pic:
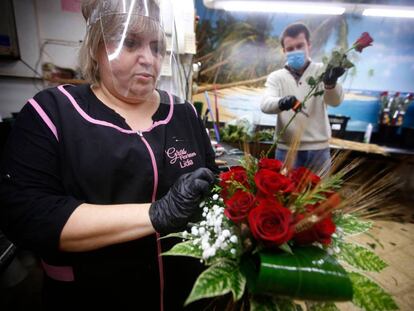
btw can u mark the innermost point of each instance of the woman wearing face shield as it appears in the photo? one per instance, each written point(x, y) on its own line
point(92, 175)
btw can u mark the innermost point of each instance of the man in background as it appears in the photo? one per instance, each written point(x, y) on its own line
point(287, 87)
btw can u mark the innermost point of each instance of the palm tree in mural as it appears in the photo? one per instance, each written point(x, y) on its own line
point(236, 50)
point(245, 52)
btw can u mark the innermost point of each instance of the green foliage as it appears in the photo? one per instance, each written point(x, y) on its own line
point(270, 303)
point(234, 133)
point(351, 225)
point(321, 306)
point(285, 247)
point(316, 195)
point(186, 248)
point(219, 279)
point(318, 93)
point(311, 81)
point(360, 257)
point(369, 296)
point(175, 235)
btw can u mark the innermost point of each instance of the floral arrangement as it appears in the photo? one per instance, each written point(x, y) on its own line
point(266, 226)
point(275, 237)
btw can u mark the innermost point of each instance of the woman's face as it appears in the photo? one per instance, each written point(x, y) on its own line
point(129, 67)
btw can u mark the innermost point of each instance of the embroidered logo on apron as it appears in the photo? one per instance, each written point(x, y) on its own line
point(180, 156)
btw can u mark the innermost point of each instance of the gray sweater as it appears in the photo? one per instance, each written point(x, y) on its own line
point(316, 128)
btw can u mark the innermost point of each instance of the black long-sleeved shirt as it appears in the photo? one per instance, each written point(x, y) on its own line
point(66, 148)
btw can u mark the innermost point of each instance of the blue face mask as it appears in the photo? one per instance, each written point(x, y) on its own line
point(296, 59)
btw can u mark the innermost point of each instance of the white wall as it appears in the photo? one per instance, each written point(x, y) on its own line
point(48, 34)
point(41, 25)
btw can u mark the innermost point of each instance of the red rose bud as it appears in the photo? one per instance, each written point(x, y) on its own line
point(364, 41)
point(385, 93)
point(321, 232)
point(271, 164)
point(236, 173)
point(239, 205)
point(302, 177)
point(269, 183)
point(270, 223)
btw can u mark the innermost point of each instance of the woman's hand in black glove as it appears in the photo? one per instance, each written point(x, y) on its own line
point(173, 211)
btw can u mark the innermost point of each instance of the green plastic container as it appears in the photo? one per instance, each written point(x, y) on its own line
point(309, 274)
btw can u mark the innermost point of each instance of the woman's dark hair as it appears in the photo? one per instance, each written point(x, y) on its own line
point(293, 30)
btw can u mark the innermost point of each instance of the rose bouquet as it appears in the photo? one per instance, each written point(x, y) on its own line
point(275, 238)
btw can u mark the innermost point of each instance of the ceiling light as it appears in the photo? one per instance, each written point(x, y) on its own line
point(389, 13)
point(280, 7)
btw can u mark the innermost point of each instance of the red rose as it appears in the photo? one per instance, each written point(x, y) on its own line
point(269, 183)
point(363, 41)
point(303, 177)
point(236, 173)
point(271, 164)
point(239, 205)
point(270, 223)
point(320, 232)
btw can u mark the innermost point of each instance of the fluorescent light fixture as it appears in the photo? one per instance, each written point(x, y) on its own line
point(281, 7)
point(389, 13)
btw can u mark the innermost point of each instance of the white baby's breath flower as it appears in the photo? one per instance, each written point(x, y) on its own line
point(215, 197)
point(201, 230)
point(209, 252)
point(185, 234)
point(194, 230)
point(233, 251)
point(226, 233)
point(233, 239)
point(202, 204)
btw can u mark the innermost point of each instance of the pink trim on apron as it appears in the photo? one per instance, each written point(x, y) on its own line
point(58, 273)
point(44, 117)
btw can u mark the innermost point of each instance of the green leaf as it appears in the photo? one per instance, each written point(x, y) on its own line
point(270, 303)
point(318, 93)
point(186, 248)
point(311, 81)
point(346, 63)
point(321, 306)
point(219, 279)
point(351, 225)
point(369, 295)
point(360, 257)
point(285, 247)
point(174, 235)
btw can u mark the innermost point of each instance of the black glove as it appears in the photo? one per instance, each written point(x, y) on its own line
point(287, 102)
point(332, 74)
point(173, 211)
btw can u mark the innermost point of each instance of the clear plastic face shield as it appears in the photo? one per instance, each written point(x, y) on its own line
point(135, 45)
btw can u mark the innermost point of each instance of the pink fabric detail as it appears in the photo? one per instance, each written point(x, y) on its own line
point(167, 119)
point(154, 193)
point(59, 273)
point(108, 124)
point(195, 111)
point(44, 117)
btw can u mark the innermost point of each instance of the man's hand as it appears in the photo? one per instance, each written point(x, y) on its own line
point(331, 76)
point(289, 102)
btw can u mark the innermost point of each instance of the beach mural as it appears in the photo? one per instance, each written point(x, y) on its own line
point(236, 51)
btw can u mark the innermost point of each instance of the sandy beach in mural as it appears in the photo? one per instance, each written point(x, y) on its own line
point(244, 102)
